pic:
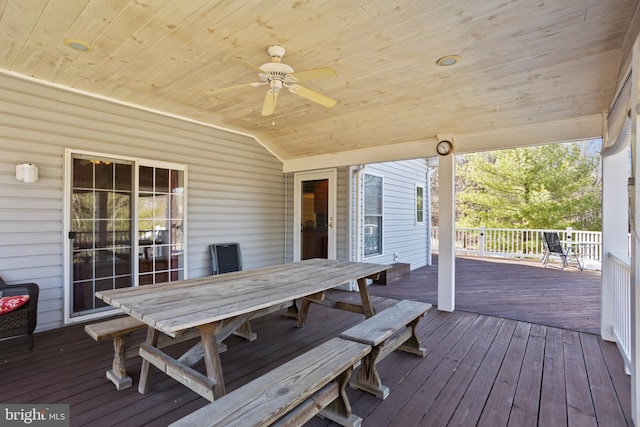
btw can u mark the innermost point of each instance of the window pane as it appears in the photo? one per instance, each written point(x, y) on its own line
point(82, 205)
point(372, 195)
point(104, 175)
point(419, 204)
point(372, 215)
point(82, 173)
point(162, 180)
point(177, 182)
point(123, 179)
point(372, 235)
point(146, 178)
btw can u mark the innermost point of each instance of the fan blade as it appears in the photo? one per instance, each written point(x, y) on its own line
point(312, 95)
point(269, 106)
point(246, 64)
point(315, 73)
point(224, 89)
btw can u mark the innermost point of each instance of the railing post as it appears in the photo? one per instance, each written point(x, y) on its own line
point(482, 241)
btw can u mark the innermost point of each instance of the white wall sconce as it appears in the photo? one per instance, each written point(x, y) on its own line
point(27, 173)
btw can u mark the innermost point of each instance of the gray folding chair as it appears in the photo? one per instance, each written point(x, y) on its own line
point(225, 258)
point(553, 247)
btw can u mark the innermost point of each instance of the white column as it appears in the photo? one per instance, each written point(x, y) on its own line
point(615, 220)
point(446, 227)
point(635, 232)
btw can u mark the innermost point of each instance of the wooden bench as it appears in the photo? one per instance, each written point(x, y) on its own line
point(391, 329)
point(119, 330)
point(292, 393)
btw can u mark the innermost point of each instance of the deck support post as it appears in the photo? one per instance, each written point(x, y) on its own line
point(446, 248)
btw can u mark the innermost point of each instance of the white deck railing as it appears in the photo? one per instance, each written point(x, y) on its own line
point(622, 321)
point(519, 243)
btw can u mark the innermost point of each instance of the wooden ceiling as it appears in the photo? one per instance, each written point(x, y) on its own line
point(522, 62)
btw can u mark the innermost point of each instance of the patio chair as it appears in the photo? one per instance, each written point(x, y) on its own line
point(225, 258)
point(553, 247)
point(18, 314)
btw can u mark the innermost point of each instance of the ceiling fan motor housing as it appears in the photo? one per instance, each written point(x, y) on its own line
point(277, 74)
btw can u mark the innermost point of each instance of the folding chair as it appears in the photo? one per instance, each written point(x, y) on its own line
point(226, 258)
point(553, 247)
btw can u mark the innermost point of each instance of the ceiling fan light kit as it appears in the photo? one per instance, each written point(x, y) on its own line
point(277, 75)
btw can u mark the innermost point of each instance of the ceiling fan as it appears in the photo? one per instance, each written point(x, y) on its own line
point(277, 75)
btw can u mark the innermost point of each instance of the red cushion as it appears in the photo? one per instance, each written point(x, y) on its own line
point(8, 304)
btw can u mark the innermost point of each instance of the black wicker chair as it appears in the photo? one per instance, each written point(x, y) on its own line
point(23, 320)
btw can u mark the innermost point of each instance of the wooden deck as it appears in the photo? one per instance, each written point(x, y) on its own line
point(480, 369)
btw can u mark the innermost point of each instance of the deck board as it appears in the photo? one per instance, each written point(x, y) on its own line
point(480, 368)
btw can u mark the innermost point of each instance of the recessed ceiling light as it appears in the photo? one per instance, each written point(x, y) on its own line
point(448, 60)
point(78, 45)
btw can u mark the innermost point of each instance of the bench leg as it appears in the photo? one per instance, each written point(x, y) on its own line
point(412, 345)
point(339, 411)
point(118, 373)
point(245, 331)
point(145, 373)
point(368, 378)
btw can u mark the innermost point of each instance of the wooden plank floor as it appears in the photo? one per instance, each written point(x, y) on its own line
point(479, 370)
point(519, 290)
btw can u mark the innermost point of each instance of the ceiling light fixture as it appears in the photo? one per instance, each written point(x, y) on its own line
point(448, 60)
point(78, 45)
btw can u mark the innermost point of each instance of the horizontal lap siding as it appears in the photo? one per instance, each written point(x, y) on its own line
point(401, 234)
point(235, 186)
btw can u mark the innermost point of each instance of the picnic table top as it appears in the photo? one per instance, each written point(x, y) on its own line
point(176, 306)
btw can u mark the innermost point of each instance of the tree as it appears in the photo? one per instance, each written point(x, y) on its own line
point(551, 186)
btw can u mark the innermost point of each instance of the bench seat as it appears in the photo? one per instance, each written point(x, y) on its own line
point(290, 394)
point(119, 329)
point(391, 329)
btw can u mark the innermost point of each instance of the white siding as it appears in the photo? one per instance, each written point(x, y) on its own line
point(236, 188)
point(401, 234)
point(342, 221)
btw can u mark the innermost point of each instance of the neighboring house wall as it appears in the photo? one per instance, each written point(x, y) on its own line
point(236, 189)
point(401, 234)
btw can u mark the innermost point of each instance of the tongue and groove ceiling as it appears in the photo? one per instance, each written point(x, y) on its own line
point(522, 62)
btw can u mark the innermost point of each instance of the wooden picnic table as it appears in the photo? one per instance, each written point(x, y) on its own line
point(219, 305)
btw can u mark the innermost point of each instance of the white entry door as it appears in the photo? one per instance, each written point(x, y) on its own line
point(315, 215)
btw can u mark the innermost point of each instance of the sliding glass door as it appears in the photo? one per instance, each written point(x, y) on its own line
point(126, 227)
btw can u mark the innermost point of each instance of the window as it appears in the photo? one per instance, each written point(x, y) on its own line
point(419, 204)
point(372, 215)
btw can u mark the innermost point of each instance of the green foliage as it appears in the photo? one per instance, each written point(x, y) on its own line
point(551, 186)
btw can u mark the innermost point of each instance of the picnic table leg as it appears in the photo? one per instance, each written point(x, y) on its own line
point(304, 307)
point(367, 307)
point(145, 373)
point(212, 357)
